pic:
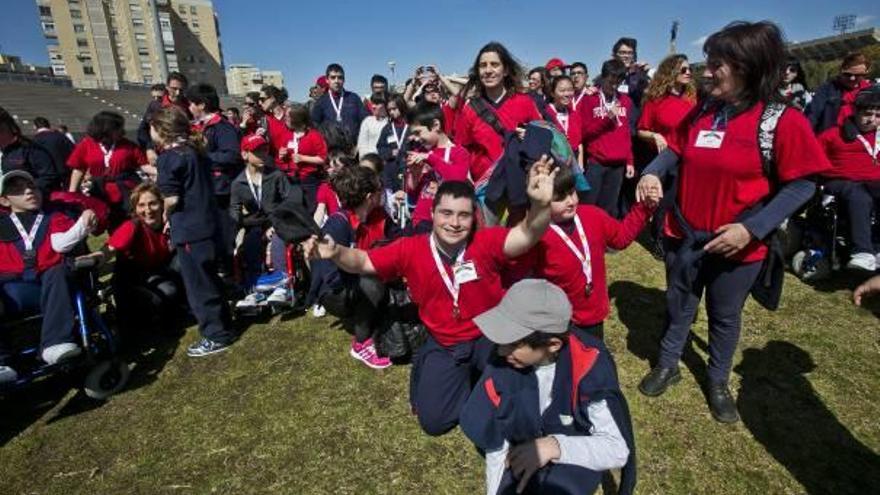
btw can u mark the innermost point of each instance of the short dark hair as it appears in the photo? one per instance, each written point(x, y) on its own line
point(755, 52)
point(425, 113)
point(253, 95)
point(204, 94)
point(104, 124)
point(563, 183)
point(555, 82)
point(375, 160)
point(278, 94)
point(41, 123)
point(353, 184)
point(579, 64)
point(298, 116)
point(537, 340)
point(234, 110)
point(158, 87)
point(334, 67)
point(613, 68)
point(378, 100)
point(630, 42)
point(378, 78)
point(456, 189)
point(8, 122)
point(853, 59)
point(177, 76)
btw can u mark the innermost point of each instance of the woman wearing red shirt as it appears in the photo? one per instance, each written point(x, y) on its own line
point(669, 97)
point(495, 81)
point(564, 117)
point(303, 156)
point(105, 163)
point(725, 202)
point(144, 285)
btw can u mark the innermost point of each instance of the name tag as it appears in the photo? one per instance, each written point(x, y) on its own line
point(566, 420)
point(465, 272)
point(709, 139)
point(392, 140)
point(623, 88)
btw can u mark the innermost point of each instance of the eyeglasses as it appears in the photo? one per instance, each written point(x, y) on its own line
point(263, 98)
point(685, 70)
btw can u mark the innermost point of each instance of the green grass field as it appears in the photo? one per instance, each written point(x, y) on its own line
point(288, 411)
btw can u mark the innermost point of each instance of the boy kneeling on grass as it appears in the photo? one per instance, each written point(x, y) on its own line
point(33, 276)
point(548, 411)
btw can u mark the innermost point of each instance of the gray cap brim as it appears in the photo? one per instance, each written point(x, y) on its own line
point(499, 328)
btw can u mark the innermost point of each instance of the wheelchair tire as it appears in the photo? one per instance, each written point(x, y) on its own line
point(105, 379)
point(821, 270)
point(792, 237)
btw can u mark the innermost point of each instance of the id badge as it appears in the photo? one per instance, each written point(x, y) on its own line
point(623, 88)
point(465, 272)
point(709, 139)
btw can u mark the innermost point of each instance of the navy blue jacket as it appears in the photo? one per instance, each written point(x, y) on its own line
point(187, 175)
point(508, 180)
point(57, 144)
point(29, 156)
point(504, 403)
point(392, 172)
point(353, 112)
point(224, 153)
point(825, 106)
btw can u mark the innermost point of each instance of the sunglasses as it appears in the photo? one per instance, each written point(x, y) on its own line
point(850, 75)
point(685, 70)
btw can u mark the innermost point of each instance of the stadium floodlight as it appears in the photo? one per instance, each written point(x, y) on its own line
point(844, 23)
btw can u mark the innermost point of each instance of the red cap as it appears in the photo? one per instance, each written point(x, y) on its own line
point(554, 63)
point(322, 82)
point(253, 142)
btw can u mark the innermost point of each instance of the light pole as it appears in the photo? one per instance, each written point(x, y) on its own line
point(391, 65)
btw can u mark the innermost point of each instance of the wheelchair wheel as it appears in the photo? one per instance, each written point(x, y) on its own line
point(106, 379)
point(791, 236)
point(808, 266)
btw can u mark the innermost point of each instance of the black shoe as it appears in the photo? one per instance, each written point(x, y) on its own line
point(658, 380)
point(721, 404)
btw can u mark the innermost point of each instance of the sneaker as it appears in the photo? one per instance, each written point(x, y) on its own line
point(60, 352)
point(205, 347)
point(862, 261)
point(251, 301)
point(281, 295)
point(7, 374)
point(319, 311)
point(270, 281)
point(366, 353)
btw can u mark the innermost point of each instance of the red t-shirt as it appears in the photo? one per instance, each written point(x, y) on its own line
point(327, 196)
point(664, 114)
point(569, 123)
point(411, 259)
point(484, 144)
point(606, 139)
point(147, 248)
point(553, 260)
point(849, 160)
point(88, 156)
point(848, 102)
point(11, 262)
point(437, 171)
point(716, 185)
point(310, 144)
point(448, 118)
point(278, 133)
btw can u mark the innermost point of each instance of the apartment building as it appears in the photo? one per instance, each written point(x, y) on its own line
point(243, 78)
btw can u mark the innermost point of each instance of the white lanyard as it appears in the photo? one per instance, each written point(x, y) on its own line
point(256, 189)
point(576, 101)
point(450, 283)
point(107, 154)
point(503, 94)
point(294, 143)
point(584, 258)
point(337, 108)
point(562, 118)
point(448, 153)
point(606, 107)
point(871, 151)
point(27, 237)
point(399, 138)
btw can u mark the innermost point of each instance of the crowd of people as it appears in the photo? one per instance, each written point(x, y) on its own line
point(494, 199)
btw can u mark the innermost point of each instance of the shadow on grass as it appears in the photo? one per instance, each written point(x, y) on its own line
point(24, 407)
point(779, 406)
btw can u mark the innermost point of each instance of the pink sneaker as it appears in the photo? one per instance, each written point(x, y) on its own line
point(366, 353)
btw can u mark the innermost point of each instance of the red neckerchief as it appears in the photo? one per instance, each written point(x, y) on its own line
point(200, 126)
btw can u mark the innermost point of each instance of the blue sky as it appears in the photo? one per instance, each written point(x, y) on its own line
point(300, 38)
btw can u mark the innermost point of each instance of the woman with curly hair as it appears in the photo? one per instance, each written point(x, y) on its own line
point(669, 97)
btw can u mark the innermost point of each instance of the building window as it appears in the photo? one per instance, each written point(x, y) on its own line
point(45, 11)
point(88, 70)
point(79, 28)
point(138, 23)
point(75, 14)
point(192, 10)
point(48, 26)
point(82, 43)
point(201, 60)
point(182, 9)
point(143, 51)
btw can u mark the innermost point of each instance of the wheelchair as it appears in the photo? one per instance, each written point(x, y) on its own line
point(297, 282)
point(817, 241)
point(106, 374)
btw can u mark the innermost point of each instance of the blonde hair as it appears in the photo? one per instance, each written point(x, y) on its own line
point(138, 191)
point(173, 125)
point(664, 79)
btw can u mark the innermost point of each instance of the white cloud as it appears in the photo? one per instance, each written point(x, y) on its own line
point(861, 20)
point(699, 41)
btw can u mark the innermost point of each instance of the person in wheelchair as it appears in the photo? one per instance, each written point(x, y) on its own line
point(853, 150)
point(145, 286)
point(34, 279)
point(361, 223)
point(255, 193)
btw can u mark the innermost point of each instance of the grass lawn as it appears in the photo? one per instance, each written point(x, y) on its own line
point(288, 411)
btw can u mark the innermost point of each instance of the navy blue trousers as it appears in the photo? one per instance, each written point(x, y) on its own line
point(51, 295)
point(441, 381)
point(204, 290)
point(254, 255)
point(861, 200)
point(554, 479)
point(727, 284)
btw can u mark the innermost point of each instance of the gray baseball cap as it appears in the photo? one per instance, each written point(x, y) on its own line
point(531, 305)
point(11, 175)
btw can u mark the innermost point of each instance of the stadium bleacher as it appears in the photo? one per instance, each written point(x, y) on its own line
point(74, 107)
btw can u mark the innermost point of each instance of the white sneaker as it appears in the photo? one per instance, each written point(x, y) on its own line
point(251, 301)
point(281, 295)
point(319, 311)
point(60, 352)
point(862, 261)
point(7, 374)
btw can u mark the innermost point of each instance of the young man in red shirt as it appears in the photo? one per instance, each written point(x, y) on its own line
point(453, 275)
point(854, 178)
point(33, 276)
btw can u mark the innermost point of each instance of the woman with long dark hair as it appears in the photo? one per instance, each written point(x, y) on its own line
point(564, 117)
point(303, 157)
point(729, 200)
point(794, 84)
